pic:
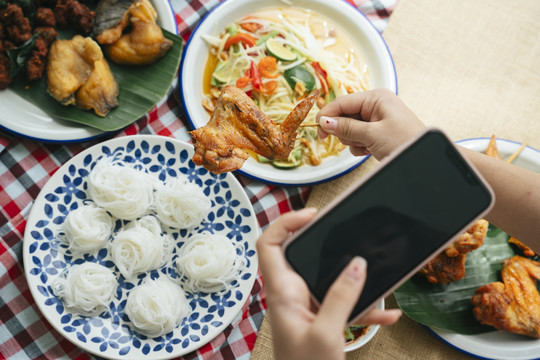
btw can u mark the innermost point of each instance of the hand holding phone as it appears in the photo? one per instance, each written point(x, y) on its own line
point(397, 218)
point(298, 332)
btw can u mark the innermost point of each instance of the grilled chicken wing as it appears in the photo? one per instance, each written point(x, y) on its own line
point(449, 265)
point(238, 124)
point(514, 304)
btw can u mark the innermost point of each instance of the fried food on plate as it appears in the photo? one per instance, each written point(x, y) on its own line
point(449, 265)
point(144, 44)
point(514, 304)
point(78, 74)
point(492, 149)
point(238, 124)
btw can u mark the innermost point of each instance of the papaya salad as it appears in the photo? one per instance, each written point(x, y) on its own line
point(278, 57)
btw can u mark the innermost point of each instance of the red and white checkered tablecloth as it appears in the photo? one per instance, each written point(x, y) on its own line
point(26, 165)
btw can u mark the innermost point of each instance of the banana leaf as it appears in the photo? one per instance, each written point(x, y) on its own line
point(448, 307)
point(141, 87)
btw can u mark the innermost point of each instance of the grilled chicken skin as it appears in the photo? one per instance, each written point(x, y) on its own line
point(237, 125)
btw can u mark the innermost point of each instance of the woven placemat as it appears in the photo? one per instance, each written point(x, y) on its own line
point(470, 68)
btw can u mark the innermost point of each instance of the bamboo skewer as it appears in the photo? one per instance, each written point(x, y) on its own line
point(515, 155)
point(309, 124)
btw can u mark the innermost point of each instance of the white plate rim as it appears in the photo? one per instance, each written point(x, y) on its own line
point(56, 130)
point(339, 165)
point(36, 214)
point(494, 345)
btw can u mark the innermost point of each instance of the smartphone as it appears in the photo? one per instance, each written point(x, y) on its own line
point(398, 217)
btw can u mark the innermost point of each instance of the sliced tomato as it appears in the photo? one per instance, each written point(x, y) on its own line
point(243, 38)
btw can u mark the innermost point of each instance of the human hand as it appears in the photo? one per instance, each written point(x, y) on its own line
point(372, 122)
point(297, 330)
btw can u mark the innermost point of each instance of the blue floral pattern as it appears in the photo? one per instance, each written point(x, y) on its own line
point(110, 334)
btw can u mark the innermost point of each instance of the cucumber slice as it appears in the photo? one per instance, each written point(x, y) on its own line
point(300, 74)
point(279, 51)
point(293, 161)
point(284, 164)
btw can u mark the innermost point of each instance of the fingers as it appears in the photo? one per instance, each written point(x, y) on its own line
point(382, 317)
point(269, 248)
point(349, 130)
point(342, 296)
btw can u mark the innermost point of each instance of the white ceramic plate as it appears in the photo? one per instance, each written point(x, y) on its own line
point(363, 340)
point(110, 335)
point(498, 345)
point(25, 119)
point(360, 31)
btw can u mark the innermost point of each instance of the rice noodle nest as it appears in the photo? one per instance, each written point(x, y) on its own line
point(87, 229)
point(124, 191)
point(87, 289)
point(156, 307)
point(181, 204)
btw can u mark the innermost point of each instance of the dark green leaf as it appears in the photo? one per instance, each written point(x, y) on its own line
point(448, 307)
point(17, 56)
point(141, 87)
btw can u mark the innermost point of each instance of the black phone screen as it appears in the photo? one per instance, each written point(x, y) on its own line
point(395, 220)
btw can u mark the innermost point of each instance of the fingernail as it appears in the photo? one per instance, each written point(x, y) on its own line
point(328, 123)
point(356, 269)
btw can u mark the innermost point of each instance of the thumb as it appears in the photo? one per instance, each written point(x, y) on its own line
point(346, 129)
point(342, 296)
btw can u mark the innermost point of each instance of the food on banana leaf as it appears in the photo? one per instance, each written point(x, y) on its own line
point(449, 265)
point(78, 74)
point(143, 44)
point(513, 304)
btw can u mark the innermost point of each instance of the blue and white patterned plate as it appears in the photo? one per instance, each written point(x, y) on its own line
point(110, 335)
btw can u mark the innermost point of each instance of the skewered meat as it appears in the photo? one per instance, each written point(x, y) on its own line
point(514, 304)
point(238, 124)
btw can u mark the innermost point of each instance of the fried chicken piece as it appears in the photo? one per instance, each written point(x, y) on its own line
point(444, 269)
point(143, 45)
point(72, 12)
point(449, 265)
point(17, 25)
point(514, 304)
point(78, 74)
point(238, 124)
point(470, 240)
point(45, 17)
point(37, 60)
point(527, 251)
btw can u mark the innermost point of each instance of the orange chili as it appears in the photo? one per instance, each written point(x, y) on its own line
point(243, 38)
point(268, 67)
